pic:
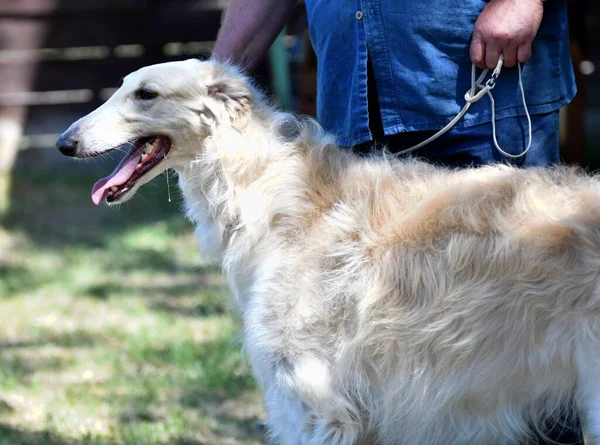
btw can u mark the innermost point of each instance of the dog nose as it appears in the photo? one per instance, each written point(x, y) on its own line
point(67, 144)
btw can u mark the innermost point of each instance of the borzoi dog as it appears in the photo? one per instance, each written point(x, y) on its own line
point(384, 301)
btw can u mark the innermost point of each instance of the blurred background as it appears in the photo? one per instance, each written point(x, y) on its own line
point(113, 330)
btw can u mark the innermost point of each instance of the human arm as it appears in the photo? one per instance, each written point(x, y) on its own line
point(248, 30)
point(506, 27)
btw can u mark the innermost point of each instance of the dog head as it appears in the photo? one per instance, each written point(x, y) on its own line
point(160, 117)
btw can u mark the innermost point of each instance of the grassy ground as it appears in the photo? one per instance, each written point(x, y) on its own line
point(112, 329)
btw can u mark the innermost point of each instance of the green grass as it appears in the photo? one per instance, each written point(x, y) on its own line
point(114, 330)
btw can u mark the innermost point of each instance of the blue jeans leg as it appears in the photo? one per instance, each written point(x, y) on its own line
point(474, 145)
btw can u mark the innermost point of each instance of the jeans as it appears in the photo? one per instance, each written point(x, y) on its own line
point(462, 147)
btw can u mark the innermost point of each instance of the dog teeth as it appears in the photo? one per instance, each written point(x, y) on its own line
point(114, 188)
point(150, 146)
point(144, 156)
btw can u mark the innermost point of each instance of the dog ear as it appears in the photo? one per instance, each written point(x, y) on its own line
point(235, 96)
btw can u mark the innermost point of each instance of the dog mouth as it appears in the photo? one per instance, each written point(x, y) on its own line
point(144, 154)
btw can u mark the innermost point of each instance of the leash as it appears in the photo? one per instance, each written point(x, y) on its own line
point(477, 91)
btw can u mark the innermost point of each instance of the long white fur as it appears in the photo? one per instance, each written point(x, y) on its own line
point(383, 301)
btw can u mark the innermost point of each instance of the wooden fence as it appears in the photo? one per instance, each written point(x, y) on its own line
point(61, 58)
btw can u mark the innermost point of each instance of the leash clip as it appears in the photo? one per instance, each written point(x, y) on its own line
point(476, 92)
point(491, 83)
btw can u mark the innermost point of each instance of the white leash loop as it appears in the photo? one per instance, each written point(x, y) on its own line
point(477, 91)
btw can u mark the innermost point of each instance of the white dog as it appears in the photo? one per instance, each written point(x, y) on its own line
point(383, 301)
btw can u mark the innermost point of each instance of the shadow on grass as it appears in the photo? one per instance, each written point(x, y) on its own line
point(19, 369)
point(216, 306)
point(250, 428)
point(16, 436)
point(228, 425)
point(194, 299)
point(146, 260)
point(20, 359)
point(68, 339)
point(215, 366)
point(54, 208)
point(14, 277)
point(186, 441)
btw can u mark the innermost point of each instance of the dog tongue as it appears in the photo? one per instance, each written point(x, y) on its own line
point(119, 176)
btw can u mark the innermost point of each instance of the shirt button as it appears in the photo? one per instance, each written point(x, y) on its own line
point(359, 15)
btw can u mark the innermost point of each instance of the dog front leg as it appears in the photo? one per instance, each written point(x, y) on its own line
point(291, 422)
point(589, 399)
point(288, 420)
point(304, 408)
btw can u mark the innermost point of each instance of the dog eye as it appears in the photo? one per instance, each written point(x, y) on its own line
point(144, 94)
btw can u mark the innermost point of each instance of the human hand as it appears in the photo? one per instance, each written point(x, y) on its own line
point(506, 27)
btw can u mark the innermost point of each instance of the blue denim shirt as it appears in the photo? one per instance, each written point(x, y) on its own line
point(419, 50)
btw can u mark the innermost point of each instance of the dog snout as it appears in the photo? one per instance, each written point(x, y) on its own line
point(68, 143)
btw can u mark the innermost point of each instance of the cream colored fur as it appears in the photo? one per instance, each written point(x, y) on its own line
point(383, 301)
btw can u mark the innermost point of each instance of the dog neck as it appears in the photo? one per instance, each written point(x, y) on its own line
point(248, 184)
point(225, 189)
